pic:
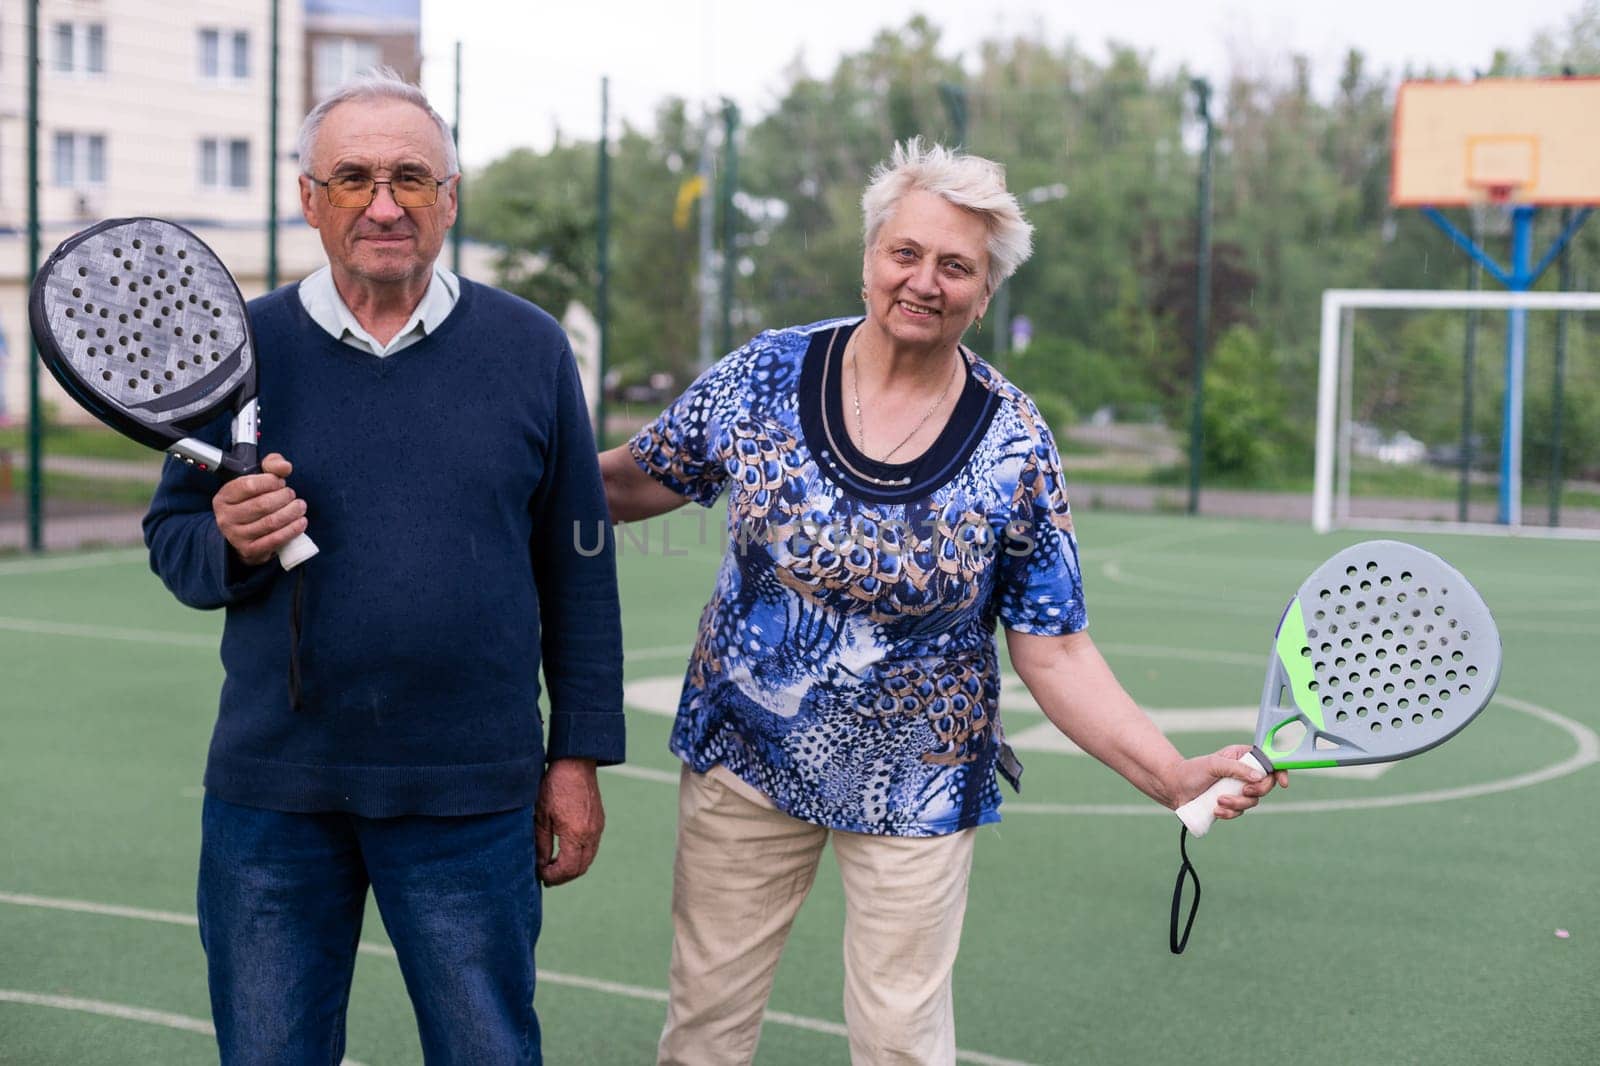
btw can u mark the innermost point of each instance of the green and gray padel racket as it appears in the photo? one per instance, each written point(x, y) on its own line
point(1386, 651)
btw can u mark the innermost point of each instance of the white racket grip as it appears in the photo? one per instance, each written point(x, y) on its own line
point(296, 552)
point(1200, 812)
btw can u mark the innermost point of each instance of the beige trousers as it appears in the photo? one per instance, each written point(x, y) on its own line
point(741, 873)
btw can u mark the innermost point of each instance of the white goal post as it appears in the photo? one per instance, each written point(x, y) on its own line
point(1334, 361)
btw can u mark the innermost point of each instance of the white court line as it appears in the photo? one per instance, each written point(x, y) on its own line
point(110, 1010)
point(110, 910)
point(1582, 605)
point(1125, 600)
point(660, 696)
point(167, 637)
point(592, 984)
point(1588, 753)
point(1114, 572)
point(1163, 540)
point(1561, 628)
point(675, 651)
point(1117, 601)
point(642, 773)
point(1238, 721)
point(658, 995)
point(654, 695)
point(118, 1010)
point(1193, 655)
point(53, 564)
point(175, 638)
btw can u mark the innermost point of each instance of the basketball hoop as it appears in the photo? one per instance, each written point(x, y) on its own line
point(1496, 143)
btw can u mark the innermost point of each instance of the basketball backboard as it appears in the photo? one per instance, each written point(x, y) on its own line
point(1496, 140)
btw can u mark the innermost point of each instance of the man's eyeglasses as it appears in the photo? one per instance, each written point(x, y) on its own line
point(358, 190)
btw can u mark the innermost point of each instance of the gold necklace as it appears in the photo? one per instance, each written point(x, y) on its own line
point(855, 396)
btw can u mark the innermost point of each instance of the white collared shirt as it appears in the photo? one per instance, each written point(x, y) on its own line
point(321, 299)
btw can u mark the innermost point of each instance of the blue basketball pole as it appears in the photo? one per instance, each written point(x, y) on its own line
point(1520, 278)
point(1510, 510)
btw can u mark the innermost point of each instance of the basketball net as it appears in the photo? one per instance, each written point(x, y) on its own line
point(1491, 212)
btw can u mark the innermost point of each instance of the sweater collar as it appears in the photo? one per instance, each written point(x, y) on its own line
point(321, 300)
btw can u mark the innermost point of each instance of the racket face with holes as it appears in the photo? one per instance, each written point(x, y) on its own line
point(144, 327)
point(1386, 651)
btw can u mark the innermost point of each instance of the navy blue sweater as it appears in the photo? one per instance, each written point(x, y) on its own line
point(442, 485)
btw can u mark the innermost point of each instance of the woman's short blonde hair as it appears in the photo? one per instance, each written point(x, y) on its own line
point(970, 182)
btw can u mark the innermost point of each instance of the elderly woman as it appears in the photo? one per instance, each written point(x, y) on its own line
point(890, 498)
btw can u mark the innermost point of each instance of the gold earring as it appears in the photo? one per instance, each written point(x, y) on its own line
point(980, 323)
point(863, 294)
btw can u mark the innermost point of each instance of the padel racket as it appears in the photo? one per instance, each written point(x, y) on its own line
point(1386, 651)
point(145, 328)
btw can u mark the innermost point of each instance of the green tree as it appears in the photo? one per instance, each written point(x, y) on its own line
point(813, 155)
point(1301, 206)
point(1248, 429)
point(654, 261)
point(1573, 47)
point(540, 210)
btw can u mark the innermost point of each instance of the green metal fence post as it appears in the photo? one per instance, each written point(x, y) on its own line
point(603, 269)
point(1202, 301)
point(272, 149)
point(1558, 383)
point(35, 408)
point(730, 226)
point(459, 228)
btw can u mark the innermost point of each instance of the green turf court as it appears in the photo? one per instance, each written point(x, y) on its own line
point(1406, 916)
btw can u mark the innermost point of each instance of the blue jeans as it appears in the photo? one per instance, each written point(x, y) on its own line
point(281, 899)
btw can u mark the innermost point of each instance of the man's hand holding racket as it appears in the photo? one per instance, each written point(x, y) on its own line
point(260, 513)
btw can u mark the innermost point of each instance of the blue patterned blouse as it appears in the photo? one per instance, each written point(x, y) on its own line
point(846, 665)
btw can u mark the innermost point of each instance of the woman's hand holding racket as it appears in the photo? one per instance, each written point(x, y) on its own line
point(1242, 784)
point(259, 514)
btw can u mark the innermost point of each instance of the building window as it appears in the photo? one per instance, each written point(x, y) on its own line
point(239, 164)
point(335, 60)
point(66, 37)
point(210, 54)
point(79, 160)
point(95, 48)
point(80, 47)
point(224, 163)
point(224, 54)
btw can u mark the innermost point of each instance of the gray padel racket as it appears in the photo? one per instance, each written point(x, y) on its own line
point(144, 328)
point(1386, 651)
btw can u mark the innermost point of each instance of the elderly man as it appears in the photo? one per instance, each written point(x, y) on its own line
point(379, 722)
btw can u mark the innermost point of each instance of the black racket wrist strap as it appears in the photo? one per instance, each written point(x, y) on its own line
point(296, 680)
point(1176, 942)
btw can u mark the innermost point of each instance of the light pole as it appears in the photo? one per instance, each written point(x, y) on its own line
point(1039, 194)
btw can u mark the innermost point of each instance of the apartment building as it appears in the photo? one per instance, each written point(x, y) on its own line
point(343, 37)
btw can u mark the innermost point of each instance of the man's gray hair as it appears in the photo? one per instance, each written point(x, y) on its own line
point(970, 182)
point(379, 83)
